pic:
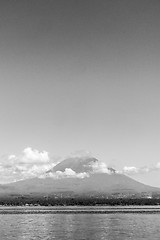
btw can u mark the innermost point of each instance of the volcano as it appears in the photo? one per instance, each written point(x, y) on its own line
point(77, 164)
point(79, 176)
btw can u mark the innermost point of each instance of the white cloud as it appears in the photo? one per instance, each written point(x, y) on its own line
point(158, 165)
point(68, 173)
point(130, 170)
point(12, 157)
point(134, 170)
point(34, 156)
point(100, 167)
point(31, 163)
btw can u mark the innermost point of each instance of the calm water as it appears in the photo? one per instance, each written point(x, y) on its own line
point(112, 226)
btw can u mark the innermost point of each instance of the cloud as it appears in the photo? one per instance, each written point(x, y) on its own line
point(130, 170)
point(31, 163)
point(158, 165)
point(68, 173)
point(34, 156)
point(12, 157)
point(145, 169)
point(100, 167)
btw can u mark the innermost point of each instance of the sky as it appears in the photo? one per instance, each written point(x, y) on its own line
point(80, 75)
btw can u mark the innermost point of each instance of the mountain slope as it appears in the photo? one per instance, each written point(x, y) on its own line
point(95, 182)
point(99, 183)
point(77, 164)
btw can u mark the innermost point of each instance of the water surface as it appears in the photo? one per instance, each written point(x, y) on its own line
point(78, 226)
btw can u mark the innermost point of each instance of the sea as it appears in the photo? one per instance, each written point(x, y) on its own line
point(93, 223)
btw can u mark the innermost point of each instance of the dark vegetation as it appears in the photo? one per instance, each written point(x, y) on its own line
point(22, 200)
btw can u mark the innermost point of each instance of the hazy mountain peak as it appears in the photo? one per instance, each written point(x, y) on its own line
point(81, 165)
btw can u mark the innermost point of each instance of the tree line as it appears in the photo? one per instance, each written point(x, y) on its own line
point(78, 201)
